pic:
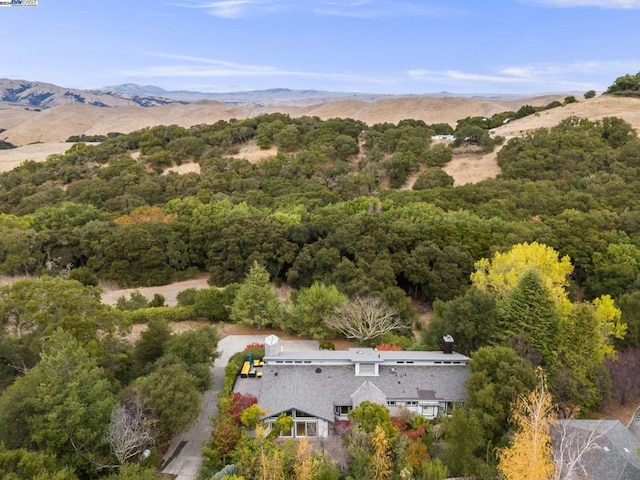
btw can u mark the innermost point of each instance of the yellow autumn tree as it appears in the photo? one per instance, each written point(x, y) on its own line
point(504, 271)
point(609, 319)
point(381, 460)
point(306, 465)
point(530, 456)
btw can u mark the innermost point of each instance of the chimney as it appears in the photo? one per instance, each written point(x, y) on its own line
point(448, 344)
point(271, 346)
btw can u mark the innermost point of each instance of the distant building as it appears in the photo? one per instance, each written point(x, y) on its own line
point(450, 138)
point(318, 388)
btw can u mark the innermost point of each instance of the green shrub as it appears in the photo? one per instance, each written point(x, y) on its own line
point(186, 297)
point(85, 276)
point(231, 372)
point(404, 342)
point(136, 301)
point(327, 345)
point(170, 314)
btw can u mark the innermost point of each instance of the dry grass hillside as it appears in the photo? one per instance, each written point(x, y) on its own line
point(58, 123)
point(9, 159)
point(42, 133)
point(594, 109)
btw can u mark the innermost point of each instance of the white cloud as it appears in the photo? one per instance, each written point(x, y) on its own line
point(353, 8)
point(609, 4)
point(536, 77)
point(533, 78)
point(556, 70)
point(227, 8)
point(198, 67)
point(380, 9)
point(459, 77)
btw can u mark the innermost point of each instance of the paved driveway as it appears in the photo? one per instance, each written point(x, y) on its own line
point(184, 456)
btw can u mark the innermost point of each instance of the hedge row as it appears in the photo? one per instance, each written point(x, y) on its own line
point(170, 314)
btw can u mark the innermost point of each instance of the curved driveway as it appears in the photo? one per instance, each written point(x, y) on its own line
point(184, 456)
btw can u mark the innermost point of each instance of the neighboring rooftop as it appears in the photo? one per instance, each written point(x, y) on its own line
point(613, 455)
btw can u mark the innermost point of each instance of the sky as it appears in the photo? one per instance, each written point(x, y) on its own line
point(369, 46)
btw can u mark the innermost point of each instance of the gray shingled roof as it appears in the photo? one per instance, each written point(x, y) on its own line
point(615, 456)
point(368, 355)
point(315, 389)
point(368, 392)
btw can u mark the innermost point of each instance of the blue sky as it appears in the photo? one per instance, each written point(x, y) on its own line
point(382, 46)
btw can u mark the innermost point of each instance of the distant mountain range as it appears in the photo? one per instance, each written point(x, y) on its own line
point(41, 95)
point(253, 98)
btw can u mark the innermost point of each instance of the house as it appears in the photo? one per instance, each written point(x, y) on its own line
point(449, 138)
point(596, 449)
point(318, 388)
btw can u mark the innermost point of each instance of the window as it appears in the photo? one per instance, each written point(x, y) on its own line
point(288, 433)
point(366, 369)
point(391, 403)
point(306, 429)
point(429, 411)
point(342, 410)
point(312, 429)
point(301, 414)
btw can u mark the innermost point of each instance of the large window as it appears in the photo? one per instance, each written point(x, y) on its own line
point(306, 429)
point(288, 433)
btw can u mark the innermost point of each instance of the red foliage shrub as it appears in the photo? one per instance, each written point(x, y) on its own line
point(239, 403)
point(400, 423)
point(404, 427)
point(385, 347)
point(251, 346)
point(416, 434)
point(342, 428)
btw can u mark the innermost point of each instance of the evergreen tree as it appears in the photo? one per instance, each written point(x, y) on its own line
point(529, 310)
point(63, 405)
point(312, 306)
point(578, 378)
point(256, 304)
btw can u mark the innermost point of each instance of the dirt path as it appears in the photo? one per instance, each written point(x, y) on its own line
point(111, 294)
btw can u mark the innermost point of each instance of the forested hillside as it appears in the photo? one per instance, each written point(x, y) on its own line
point(536, 268)
point(327, 207)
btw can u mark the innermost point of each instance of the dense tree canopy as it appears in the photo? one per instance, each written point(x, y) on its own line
point(62, 405)
point(520, 269)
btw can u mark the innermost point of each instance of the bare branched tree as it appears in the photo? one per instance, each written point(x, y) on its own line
point(571, 446)
point(130, 430)
point(364, 318)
